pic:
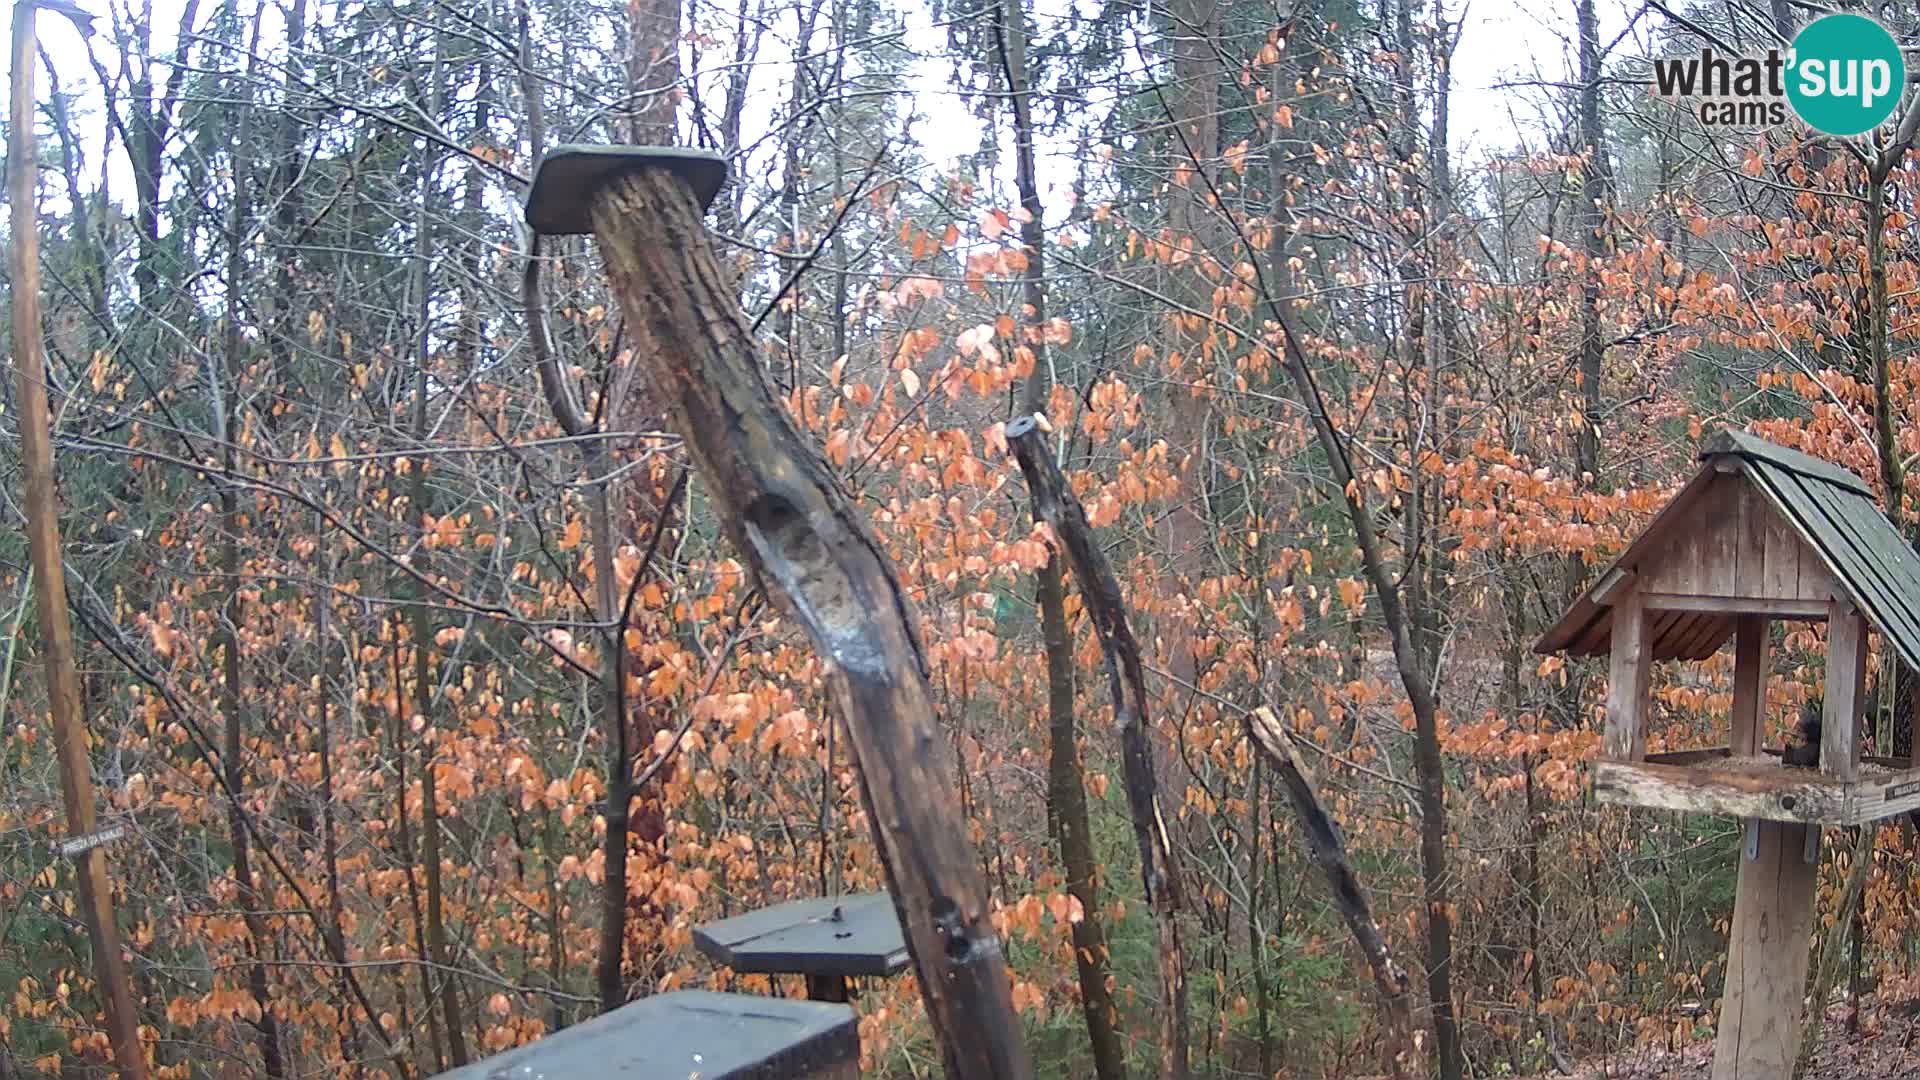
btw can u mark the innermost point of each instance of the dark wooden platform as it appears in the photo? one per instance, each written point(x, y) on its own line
point(691, 1034)
point(1713, 781)
point(828, 940)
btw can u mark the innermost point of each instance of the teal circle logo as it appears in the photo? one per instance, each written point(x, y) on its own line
point(1846, 74)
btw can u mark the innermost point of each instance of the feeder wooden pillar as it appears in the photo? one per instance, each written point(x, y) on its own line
point(1760, 1011)
point(1762, 533)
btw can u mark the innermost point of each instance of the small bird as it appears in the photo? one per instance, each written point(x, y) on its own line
point(1803, 746)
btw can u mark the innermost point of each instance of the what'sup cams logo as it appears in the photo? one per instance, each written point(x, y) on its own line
point(1843, 76)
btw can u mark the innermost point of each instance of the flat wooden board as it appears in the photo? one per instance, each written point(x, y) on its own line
point(845, 935)
point(1712, 782)
point(692, 1033)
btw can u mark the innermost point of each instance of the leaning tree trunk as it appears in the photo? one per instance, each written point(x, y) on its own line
point(1329, 848)
point(1055, 503)
point(814, 555)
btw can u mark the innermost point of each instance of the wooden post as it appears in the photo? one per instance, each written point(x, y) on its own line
point(1749, 684)
point(1761, 1010)
point(1630, 665)
point(812, 553)
point(49, 575)
point(826, 988)
point(1846, 681)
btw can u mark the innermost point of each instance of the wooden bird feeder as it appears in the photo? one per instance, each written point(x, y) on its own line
point(691, 1033)
point(1760, 533)
point(829, 940)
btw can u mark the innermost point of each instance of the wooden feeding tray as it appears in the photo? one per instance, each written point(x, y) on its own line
point(691, 1033)
point(828, 940)
point(1716, 782)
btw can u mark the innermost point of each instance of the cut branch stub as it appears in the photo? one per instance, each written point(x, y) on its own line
point(1329, 848)
point(1055, 504)
point(785, 512)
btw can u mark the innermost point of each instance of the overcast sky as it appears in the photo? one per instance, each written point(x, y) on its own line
point(1504, 42)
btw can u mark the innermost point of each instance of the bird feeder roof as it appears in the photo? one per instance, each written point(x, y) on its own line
point(686, 1034)
point(833, 935)
point(1753, 509)
point(560, 198)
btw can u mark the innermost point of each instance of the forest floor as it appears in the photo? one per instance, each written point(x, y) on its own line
point(1886, 1046)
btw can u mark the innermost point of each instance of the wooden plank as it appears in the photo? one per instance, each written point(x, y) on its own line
point(1611, 585)
point(1629, 665)
point(1775, 794)
point(1750, 662)
point(1750, 542)
point(1780, 573)
point(1846, 679)
point(1893, 796)
point(1680, 565)
point(1767, 945)
point(1719, 572)
point(1706, 755)
point(1743, 604)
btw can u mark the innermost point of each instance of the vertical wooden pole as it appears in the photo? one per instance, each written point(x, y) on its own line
point(49, 578)
point(1630, 665)
point(1846, 680)
point(1772, 928)
point(1749, 684)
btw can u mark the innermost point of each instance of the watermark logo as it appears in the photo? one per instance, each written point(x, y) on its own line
point(1842, 76)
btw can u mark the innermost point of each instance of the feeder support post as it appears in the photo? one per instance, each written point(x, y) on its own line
point(812, 553)
point(1761, 1010)
point(1629, 666)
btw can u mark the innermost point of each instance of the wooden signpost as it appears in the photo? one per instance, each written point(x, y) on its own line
point(812, 553)
point(41, 505)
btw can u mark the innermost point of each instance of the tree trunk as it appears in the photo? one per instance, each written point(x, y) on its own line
point(812, 554)
point(41, 508)
point(1329, 848)
point(226, 384)
point(1055, 503)
point(1066, 788)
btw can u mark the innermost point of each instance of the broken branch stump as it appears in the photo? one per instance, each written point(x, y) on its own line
point(1330, 852)
point(1055, 504)
point(811, 552)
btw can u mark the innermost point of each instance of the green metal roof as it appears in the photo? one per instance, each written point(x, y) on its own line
point(1833, 511)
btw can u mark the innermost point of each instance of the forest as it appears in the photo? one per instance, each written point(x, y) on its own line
point(427, 699)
